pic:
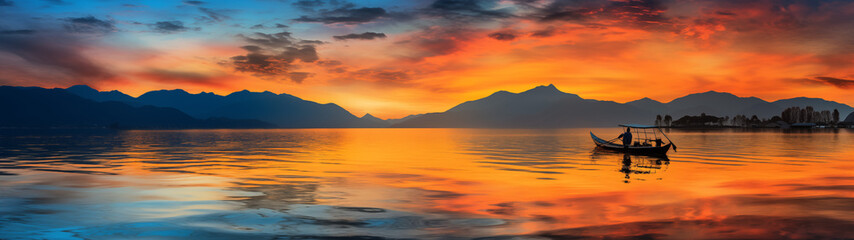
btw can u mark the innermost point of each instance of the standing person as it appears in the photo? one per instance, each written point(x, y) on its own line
point(627, 137)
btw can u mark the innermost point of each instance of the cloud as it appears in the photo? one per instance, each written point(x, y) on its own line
point(361, 36)
point(635, 12)
point(6, 3)
point(468, 9)
point(194, 3)
point(837, 82)
point(262, 26)
point(182, 77)
point(298, 77)
point(382, 76)
point(546, 32)
point(212, 15)
point(56, 2)
point(503, 36)
point(170, 27)
point(276, 40)
point(43, 52)
point(89, 24)
point(275, 56)
point(436, 41)
point(566, 15)
point(20, 31)
point(308, 5)
point(345, 15)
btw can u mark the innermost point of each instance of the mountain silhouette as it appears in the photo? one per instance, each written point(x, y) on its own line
point(548, 107)
point(849, 119)
point(400, 120)
point(196, 105)
point(32, 107)
point(727, 104)
point(371, 121)
point(540, 107)
point(817, 103)
point(284, 110)
point(95, 95)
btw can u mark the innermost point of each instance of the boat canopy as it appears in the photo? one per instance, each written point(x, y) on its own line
point(637, 126)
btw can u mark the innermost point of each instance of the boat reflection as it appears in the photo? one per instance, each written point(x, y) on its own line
point(637, 165)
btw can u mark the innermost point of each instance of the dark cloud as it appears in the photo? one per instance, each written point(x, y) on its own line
point(252, 48)
point(566, 15)
point(837, 82)
point(298, 77)
point(43, 52)
point(20, 31)
point(212, 15)
point(641, 12)
point(329, 63)
point(360, 36)
point(56, 2)
point(345, 15)
point(312, 42)
point(725, 13)
point(547, 32)
point(306, 53)
point(436, 41)
point(276, 40)
point(172, 77)
point(382, 76)
point(638, 11)
point(469, 9)
point(170, 27)
point(262, 26)
point(89, 24)
point(6, 3)
point(503, 36)
point(194, 3)
point(275, 56)
point(308, 5)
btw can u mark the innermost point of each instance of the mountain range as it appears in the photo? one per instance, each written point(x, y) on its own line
point(32, 107)
point(283, 110)
point(548, 107)
point(540, 107)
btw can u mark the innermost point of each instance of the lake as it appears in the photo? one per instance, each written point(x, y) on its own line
point(422, 184)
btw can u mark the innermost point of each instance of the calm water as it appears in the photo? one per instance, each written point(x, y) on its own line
point(422, 184)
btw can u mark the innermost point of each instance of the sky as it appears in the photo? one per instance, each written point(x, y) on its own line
point(395, 58)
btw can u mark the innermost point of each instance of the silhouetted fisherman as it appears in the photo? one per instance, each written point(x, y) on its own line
point(627, 137)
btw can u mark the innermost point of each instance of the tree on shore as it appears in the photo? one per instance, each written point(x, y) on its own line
point(658, 120)
point(667, 120)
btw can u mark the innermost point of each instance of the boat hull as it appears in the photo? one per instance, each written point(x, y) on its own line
point(639, 150)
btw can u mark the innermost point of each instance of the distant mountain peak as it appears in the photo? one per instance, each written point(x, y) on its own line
point(644, 100)
point(369, 116)
point(170, 91)
point(82, 88)
point(544, 89)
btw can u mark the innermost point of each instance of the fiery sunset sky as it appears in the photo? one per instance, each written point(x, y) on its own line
point(394, 58)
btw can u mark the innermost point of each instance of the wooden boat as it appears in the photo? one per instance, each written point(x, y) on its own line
point(643, 143)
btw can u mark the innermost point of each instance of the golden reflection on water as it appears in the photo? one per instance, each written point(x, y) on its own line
point(429, 183)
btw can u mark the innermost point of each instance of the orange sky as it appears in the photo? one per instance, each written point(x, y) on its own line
point(436, 54)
